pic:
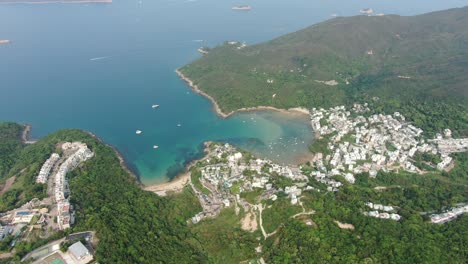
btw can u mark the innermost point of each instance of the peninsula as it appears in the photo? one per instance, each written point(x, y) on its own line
point(346, 60)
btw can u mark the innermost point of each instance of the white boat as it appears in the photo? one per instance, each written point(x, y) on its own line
point(179, 125)
point(244, 8)
point(155, 146)
point(366, 11)
point(155, 106)
point(138, 132)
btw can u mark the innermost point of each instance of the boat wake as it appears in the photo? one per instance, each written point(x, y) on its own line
point(99, 58)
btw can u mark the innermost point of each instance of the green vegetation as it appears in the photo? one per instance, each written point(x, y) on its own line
point(224, 238)
point(410, 240)
point(390, 146)
point(426, 161)
point(135, 226)
point(251, 196)
point(418, 66)
point(21, 161)
point(320, 145)
point(279, 213)
point(235, 188)
point(348, 138)
point(195, 175)
point(432, 115)
point(10, 146)
point(281, 182)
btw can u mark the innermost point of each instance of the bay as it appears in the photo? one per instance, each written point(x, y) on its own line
point(100, 67)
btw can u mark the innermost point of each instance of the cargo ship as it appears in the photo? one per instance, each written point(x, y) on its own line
point(244, 7)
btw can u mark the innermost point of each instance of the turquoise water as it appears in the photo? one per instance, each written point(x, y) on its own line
point(48, 77)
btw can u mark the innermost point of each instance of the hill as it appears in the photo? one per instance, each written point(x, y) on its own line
point(135, 226)
point(403, 61)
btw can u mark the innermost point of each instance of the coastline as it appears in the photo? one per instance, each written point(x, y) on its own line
point(25, 133)
point(219, 112)
point(178, 183)
point(119, 156)
point(175, 185)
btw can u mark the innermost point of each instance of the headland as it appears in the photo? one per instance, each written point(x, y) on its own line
point(294, 110)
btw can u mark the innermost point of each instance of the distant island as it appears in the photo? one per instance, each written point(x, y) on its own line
point(52, 1)
point(416, 64)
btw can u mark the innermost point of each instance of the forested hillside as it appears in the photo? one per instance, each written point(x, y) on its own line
point(135, 226)
point(401, 61)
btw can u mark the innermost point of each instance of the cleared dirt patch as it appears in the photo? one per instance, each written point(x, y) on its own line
point(249, 222)
point(8, 183)
point(344, 225)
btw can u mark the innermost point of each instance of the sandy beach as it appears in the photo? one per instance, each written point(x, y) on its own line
point(179, 182)
point(175, 185)
point(295, 110)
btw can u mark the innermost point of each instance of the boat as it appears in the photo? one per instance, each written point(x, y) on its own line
point(244, 7)
point(138, 132)
point(155, 106)
point(155, 146)
point(366, 11)
point(179, 125)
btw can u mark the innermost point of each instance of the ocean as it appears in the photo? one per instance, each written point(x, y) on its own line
point(100, 67)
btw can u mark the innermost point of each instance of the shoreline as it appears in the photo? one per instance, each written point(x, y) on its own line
point(25, 133)
point(122, 161)
point(26, 140)
point(175, 185)
point(219, 112)
point(178, 183)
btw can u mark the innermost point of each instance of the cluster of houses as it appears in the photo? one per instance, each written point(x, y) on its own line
point(447, 145)
point(225, 167)
point(47, 168)
point(382, 211)
point(80, 153)
point(37, 214)
point(449, 215)
point(359, 143)
point(356, 142)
